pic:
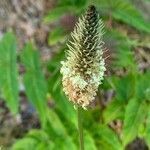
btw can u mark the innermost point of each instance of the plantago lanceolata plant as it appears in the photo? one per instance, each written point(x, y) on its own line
point(84, 68)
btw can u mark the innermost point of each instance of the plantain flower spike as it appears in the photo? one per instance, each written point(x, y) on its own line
point(84, 68)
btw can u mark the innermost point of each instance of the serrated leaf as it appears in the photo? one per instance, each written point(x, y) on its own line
point(133, 18)
point(126, 12)
point(35, 84)
point(134, 116)
point(121, 45)
point(8, 71)
point(127, 60)
point(113, 111)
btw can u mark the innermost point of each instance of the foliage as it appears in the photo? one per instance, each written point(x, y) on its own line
point(33, 76)
point(129, 104)
point(8, 71)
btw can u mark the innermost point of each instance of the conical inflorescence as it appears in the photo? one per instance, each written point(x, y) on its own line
point(84, 68)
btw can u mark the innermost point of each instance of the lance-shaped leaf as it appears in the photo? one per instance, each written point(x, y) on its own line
point(134, 116)
point(8, 71)
point(34, 81)
point(113, 111)
point(147, 130)
point(107, 139)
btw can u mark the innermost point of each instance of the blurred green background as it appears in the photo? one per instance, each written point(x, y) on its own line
point(34, 112)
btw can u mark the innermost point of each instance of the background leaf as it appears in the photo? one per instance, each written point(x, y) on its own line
point(134, 117)
point(147, 130)
point(104, 142)
point(9, 72)
point(34, 81)
point(57, 35)
point(114, 110)
point(89, 142)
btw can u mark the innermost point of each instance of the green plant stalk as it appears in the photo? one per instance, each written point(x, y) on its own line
point(80, 128)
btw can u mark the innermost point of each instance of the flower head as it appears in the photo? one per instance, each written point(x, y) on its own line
point(84, 68)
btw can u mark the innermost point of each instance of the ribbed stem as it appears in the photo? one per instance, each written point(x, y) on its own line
point(80, 128)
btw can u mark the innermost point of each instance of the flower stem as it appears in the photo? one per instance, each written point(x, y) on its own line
point(80, 128)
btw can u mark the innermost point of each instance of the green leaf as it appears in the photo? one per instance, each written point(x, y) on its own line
point(43, 139)
point(45, 146)
point(126, 12)
point(80, 3)
point(124, 86)
point(61, 137)
point(127, 60)
point(54, 14)
point(56, 123)
point(114, 110)
point(133, 18)
point(36, 140)
point(134, 116)
point(25, 144)
point(89, 142)
point(64, 144)
point(143, 85)
point(147, 130)
point(57, 35)
point(9, 72)
point(35, 84)
point(65, 7)
point(38, 135)
point(121, 45)
point(107, 139)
